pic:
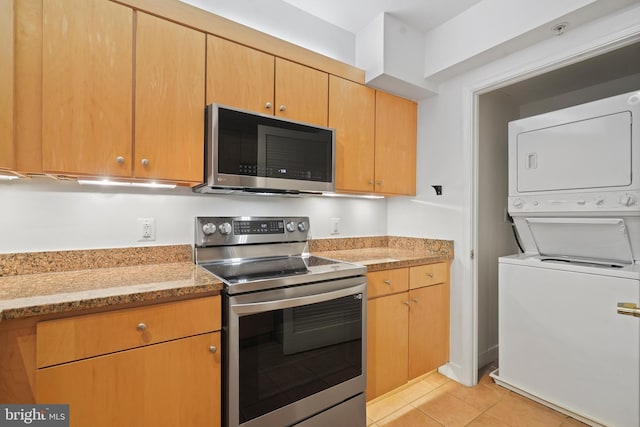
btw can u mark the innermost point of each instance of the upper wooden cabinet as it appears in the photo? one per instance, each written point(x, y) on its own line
point(396, 138)
point(7, 148)
point(352, 115)
point(239, 76)
point(87, 87)
point(376, 137)
point(249, 79)
point(302, 93)
point(169, 101)
point(88, 93)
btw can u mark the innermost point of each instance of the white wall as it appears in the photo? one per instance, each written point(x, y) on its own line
point(445, 146)
point(43, 215)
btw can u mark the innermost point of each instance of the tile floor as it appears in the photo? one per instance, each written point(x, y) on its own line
point(434, 400)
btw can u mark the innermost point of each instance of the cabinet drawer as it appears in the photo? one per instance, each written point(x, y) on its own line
point(387, 282)
point(64, 340)
point(430, 274)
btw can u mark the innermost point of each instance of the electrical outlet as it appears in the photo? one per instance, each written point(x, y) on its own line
point(146, 229)
point(334, 224)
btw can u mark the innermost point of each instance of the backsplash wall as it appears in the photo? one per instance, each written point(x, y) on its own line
point(39, 214)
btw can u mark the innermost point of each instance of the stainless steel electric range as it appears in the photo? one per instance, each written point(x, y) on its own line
point(294, 325)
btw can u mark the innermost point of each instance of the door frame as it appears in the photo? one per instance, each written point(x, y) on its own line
point(470, 114)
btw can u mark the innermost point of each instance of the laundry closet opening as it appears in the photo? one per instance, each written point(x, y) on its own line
point(606, 75)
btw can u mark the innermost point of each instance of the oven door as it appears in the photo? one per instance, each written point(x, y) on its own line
point(292, 353)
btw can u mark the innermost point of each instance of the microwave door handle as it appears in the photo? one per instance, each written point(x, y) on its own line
point(260, 307)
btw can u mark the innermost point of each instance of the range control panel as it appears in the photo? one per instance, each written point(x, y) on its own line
point(218, 231)
point(625, 201)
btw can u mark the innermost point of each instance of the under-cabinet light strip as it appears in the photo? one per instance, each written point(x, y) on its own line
point(353, 196)
point(106, 182)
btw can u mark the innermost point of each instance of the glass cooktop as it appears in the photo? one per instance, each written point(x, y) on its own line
point(268, 273)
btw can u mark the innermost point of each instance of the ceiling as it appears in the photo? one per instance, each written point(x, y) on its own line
point(353, 15)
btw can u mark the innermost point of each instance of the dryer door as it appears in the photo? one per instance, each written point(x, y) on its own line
point(592, 153)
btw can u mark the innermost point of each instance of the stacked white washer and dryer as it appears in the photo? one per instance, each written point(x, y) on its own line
point(569, 326)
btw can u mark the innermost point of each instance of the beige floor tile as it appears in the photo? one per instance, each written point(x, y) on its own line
point(380, 409)
point(408, 416)
point(435, 401)
point(485, 420)
point(520, 411)
point(446, 408)
point(435, 379)
point(416, 390)
point(481, 397)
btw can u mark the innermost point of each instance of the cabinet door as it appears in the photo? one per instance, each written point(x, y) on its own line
point(352, 115)
point(176, 383)
point(396, 138)
point(28, 86)
point(428, 329)
point(302, 93)
point(239, 76)
point(170, 76)
point(87, 87)
point(387, 343)
point(7, 150)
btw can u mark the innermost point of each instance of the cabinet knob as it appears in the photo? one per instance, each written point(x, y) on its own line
point(283, 108)
point(370, 182)
point(141, 327)
point(379, 182)
point(430, 274)
point(388, 282)
point(406, 302)
point(415, 300)
point(145, 162)
point(120, 160)
point(268, 105)
point(213, 348)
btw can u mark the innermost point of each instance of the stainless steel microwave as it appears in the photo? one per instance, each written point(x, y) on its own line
point(254, 152)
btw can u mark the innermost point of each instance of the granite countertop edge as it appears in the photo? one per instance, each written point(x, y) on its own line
point(112, 286)
point(89, 294)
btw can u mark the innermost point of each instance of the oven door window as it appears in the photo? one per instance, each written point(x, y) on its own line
point(288, 354)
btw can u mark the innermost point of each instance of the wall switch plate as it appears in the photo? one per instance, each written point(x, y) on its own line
point(146, 229)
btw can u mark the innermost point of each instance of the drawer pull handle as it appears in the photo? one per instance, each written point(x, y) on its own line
point(388, 282)
point(141, 327)
point(213, 348)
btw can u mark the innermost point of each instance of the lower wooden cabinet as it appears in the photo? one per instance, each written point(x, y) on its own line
point(387, 343)
point(428, 328)
point(173, 382)
point(407, 325)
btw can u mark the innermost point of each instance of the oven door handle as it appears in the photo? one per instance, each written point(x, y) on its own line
point(262, 306)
